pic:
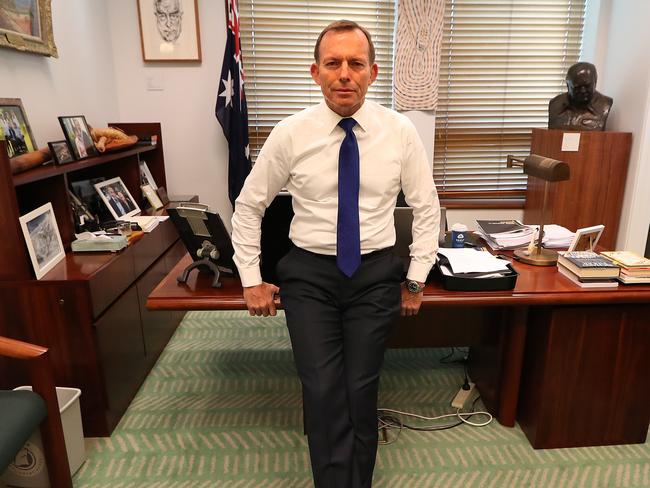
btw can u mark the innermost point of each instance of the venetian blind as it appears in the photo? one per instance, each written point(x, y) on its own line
point(278, 38)
point(502, 61)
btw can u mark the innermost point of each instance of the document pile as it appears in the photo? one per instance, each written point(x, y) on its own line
point(471, 263)
point(146, 223)
point(512, 234)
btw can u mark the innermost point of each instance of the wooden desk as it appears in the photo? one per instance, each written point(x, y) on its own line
point(571, 365)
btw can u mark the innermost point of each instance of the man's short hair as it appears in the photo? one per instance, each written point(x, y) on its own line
point(345, 25)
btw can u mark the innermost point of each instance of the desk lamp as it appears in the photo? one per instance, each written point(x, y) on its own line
point(549, 170)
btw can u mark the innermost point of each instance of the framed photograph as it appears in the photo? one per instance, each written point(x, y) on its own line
point(169, 30)
point(145, 176)
point(117, 198)
point(152, 197)
point(26, 25)
point(14, 127)
point(42, 238)
point(586, 238)
point(60, 151)
point(78, 136)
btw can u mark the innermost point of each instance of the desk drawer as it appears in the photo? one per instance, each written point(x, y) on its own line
point(111, 281)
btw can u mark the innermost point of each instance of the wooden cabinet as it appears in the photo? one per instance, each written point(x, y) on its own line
point(594, 193)
point(90, 308)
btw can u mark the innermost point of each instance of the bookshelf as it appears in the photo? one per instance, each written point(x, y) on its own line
point(90, 308)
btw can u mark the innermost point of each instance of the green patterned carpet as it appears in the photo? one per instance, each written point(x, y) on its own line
point(222, 408)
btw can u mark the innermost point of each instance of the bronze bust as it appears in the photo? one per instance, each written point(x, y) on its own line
point(582, 107)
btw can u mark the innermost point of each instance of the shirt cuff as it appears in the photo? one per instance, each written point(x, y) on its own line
point(418, 271)
point(250, 276)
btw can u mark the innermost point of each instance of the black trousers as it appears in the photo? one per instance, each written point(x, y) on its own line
point(338, 328)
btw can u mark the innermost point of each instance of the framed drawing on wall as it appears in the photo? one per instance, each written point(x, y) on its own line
point(169, 30)
point(26, 25)
point(14, 127)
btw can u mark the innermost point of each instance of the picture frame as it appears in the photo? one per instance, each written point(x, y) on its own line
point(146, 178)
point(585, 239)
point(117, 198)
point(76, 131)
point(169, 30)
point(60, 151)
point(42, 238)
point(152, 197)
point(15, 128)
point(27, 26)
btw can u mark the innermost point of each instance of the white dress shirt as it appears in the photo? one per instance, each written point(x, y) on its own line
point(301, 155)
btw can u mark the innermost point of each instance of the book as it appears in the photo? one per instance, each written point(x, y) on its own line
point(496, 227)
point(586, 283)
point(588, 264)
point(627, 259)
point(631, 280)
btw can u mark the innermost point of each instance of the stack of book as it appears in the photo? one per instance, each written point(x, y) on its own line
point(588, 269)
point(634, 268)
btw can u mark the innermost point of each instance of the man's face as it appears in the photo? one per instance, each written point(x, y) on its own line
point(581, 87)
point(169, 16)
point(344, 72)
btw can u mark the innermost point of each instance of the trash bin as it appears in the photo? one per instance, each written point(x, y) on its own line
point(29, 468)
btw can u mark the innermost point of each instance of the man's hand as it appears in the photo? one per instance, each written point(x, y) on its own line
point(410, 302)
point(259, 299)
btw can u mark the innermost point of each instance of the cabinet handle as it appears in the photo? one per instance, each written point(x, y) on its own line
point(61, 301)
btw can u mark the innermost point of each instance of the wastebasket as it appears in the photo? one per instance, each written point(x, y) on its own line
point(28, 468)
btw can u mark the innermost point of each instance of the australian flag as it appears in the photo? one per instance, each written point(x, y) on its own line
point(231, 109)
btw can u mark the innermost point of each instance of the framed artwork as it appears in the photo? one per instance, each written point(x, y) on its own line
point(78, 136)
point(26, 25)
point(169, 30)
point(117, 198)
point(14, 127)
point(60, 152)
point(585, 239)
point(42, 238)
point(145, 176)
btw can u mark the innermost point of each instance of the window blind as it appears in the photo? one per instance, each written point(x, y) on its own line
point(502, 61)
point(278, 38)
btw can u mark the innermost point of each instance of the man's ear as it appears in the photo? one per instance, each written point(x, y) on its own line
point(313, 70)
point(374, 70)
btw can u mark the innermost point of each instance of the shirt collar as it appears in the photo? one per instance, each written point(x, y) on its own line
point(363, 116)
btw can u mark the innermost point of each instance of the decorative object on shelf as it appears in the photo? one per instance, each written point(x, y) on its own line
point(586, 238)
point(146, 178)
point(27, 26)
point(84, 220)
point(549, 170)
point(14, 127)
point(152, 196)
point(78, 136)
point(169, 30)
point(582, 107)
point(60, 152)
point(117, 198)
point(29, 160)
point(111, 139)
point(42, 238)
point(417, 54)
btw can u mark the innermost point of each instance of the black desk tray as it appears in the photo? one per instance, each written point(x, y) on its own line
point(465, 283)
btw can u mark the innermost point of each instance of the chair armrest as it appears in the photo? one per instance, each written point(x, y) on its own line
point(20, 350)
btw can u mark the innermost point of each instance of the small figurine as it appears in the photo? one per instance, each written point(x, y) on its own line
point(582, 107)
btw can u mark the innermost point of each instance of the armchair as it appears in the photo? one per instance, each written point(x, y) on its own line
point(22, 411)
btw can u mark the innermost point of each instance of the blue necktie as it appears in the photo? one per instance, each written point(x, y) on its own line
point(348, 243)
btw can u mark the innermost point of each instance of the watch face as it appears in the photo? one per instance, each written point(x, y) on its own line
point(413, 286)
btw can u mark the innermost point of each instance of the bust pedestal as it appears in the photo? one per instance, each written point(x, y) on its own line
point(594, 193)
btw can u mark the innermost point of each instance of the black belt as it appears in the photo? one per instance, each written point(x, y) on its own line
point(332, 257)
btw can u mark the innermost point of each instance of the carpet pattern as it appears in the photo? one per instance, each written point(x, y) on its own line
point(222, 408)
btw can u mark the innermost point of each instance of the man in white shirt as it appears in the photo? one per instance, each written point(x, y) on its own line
point(344, 162)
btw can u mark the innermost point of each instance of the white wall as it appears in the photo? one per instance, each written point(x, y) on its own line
point(80, 81)
point(196, 153)
point(624, 75)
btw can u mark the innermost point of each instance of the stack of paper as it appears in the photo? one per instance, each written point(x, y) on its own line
point(517, 235)
point(472, 262)
point(146, 223)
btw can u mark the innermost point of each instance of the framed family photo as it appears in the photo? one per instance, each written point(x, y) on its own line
point(169, 30)
point(117, 198)
point(60, 152)
point(42, 238)
point(26, 25)
point(77, 134)
point(585, 239)
point(14, 128)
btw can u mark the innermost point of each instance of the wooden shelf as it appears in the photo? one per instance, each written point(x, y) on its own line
point(43, 172)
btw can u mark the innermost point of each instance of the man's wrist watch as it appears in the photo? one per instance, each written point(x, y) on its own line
point(414, 286)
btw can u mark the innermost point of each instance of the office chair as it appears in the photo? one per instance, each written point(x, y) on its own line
point(23, 411)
